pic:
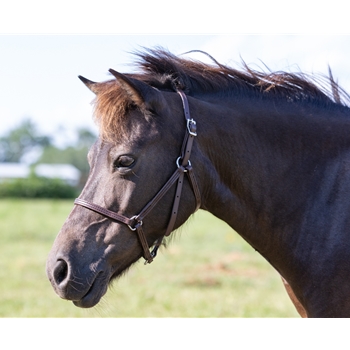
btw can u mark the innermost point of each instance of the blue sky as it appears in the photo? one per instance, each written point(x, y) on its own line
point(44, 46)
point(39, 72)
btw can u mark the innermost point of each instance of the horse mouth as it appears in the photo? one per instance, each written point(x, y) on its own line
point(93, 296)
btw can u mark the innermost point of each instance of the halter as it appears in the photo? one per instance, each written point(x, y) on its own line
point(183, 166)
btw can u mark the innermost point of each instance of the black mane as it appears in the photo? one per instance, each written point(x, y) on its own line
point(166, 71)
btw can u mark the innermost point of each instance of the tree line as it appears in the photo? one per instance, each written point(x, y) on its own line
point(26, 139)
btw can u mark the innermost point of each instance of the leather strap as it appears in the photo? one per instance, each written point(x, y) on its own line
point(110, 214)
point(183, 166)
point(147, 255)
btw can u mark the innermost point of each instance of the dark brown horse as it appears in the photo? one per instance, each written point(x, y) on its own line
point(268, 153)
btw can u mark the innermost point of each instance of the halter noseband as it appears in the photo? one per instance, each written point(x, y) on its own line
point(183, 166)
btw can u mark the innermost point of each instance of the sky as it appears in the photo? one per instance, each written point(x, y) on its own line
point(39, 73)
point(44, 46)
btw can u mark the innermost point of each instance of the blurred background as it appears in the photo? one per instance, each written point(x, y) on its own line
point(46, 126)
point(46, 129)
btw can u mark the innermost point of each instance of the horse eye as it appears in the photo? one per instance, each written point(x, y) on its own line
point(124, 162)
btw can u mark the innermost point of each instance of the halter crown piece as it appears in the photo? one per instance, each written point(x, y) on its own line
point(183, 166)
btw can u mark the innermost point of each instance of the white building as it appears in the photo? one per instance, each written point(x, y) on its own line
point(13, 171)
point(66, 172)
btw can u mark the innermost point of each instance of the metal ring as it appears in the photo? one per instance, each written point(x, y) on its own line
point(178, 163)
point(139, 223)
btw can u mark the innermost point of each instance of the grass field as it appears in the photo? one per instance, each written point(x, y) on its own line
point(206, 271)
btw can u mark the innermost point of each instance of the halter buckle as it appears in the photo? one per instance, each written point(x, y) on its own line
point(192, 127)
point(138, 224)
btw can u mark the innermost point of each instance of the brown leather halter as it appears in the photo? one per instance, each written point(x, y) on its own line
point(183, 166)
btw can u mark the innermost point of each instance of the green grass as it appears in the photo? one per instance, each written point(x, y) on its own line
point(206, 271)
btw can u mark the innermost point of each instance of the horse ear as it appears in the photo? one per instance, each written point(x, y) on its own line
point(139, 92)
point(90, 84)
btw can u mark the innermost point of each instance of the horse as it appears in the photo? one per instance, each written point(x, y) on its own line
point(266, 152)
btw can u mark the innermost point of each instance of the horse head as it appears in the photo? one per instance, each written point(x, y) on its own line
point(128, 200)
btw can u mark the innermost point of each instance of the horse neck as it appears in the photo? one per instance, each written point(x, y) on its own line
point(251, 150)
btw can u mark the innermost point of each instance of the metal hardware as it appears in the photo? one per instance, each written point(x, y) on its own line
point(139, 223)
point(191, 122)
point(179, 166)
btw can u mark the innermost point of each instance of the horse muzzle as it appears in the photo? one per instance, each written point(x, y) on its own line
point(84, 289)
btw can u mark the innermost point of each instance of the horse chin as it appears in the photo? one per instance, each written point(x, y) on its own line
point(93, 296)
point(90, 295)
point(98, 289)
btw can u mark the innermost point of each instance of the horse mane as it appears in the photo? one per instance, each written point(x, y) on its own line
point(162, 69)
point(166, 71)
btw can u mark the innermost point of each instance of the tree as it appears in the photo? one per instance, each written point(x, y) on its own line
point(25, 138)
point(20, 141)
point(86, 138)
point(75, 154)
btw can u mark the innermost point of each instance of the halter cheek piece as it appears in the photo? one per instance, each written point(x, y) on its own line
point(183, 166)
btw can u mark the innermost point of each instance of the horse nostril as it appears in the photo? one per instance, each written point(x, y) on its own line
point(60, 272)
